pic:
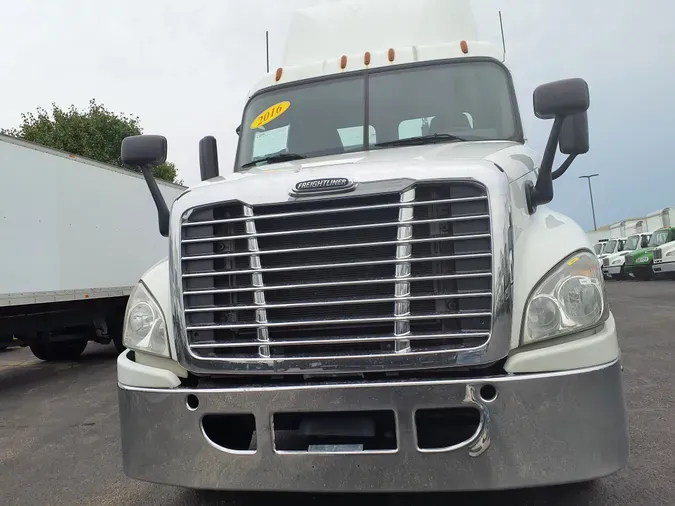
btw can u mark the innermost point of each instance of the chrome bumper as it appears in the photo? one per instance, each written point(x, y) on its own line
point(541, 429)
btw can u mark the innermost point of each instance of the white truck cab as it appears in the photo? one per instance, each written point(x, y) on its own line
point(378, 298)
point(611, 247)
point(613, 264)
point(664, 255)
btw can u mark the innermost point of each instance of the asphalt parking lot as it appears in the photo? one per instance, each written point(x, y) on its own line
point(59, 435)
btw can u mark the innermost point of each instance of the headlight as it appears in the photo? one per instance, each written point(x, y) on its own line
point(671, 253)
point(144, 324)
point(571, 298)
point(618, 261)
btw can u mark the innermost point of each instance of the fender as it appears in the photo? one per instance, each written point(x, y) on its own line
point(539, 247)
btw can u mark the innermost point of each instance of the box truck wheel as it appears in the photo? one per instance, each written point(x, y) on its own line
point(61, 351)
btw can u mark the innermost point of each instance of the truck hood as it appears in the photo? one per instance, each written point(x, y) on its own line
point(643, 256)
point(498, 154)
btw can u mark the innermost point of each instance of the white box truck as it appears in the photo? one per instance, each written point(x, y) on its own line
point(76, 237)
point(378, 299)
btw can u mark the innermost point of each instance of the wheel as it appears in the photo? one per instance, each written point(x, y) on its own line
point(59, 352)
point(115, 330)
point(117, 341)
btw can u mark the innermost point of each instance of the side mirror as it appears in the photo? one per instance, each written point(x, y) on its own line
point(574, 135)
point(564, 101)
point(208, 158)
point(561, 98)
point(143, 152)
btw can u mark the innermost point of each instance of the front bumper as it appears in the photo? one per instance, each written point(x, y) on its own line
point(663, 267)
point(541, 429)
point(639, 270)
point(612, 270)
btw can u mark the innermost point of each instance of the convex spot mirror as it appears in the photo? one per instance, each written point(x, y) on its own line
point(144, 150)
point(574, 135)
point(561, 98)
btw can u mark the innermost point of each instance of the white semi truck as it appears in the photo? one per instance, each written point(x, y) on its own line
point(378, 298)
point(76, 236)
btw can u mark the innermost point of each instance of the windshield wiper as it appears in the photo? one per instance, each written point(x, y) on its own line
point(278, 157)
point(418, 141)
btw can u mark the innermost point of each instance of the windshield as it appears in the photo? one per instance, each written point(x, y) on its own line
point(632, 243)
point(471, 100)
point(659, 237)
point(609, 247)
point(598, 248)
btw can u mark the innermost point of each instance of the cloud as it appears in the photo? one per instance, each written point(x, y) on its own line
point(186, 67)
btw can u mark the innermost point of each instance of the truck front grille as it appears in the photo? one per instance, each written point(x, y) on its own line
point(658, 254)
point(351, 276)
point(605, 262)
point(629, 259)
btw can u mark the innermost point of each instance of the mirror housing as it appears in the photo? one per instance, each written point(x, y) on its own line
point(144, 152)
point(574, 135)
point(208, 158)
point(559, 100)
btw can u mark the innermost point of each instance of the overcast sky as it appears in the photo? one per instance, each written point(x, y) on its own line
point(185, 67)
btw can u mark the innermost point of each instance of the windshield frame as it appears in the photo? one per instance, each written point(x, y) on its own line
point(638, 240)
point(518, 134)
point(669, 237)
point(613, 242)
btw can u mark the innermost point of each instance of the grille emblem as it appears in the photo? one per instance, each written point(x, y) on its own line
point(334, 184)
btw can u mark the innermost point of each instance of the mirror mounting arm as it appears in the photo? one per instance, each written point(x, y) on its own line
point(160, 203)
point(563, 168)
point(542, 192)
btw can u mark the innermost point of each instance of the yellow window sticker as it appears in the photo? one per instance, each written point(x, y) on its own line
point(270, 114)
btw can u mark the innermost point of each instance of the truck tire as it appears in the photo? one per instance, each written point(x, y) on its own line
point(115, 330)
point(59, 352)
point(117, 341)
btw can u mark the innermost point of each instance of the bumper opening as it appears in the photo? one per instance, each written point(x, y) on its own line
point(231, 432)
point(439, 429)
point(356, 431)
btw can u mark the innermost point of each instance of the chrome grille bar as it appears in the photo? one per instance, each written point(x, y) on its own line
point(403, 273)
point(342, 302)
point(339, 283)
point(338, 265)
point(366, 226)
point(258, 286)
point(331, 211)
point(344, 340)
point(342, 246)
point(384, 319)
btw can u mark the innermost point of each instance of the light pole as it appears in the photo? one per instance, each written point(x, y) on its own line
point(590, 191)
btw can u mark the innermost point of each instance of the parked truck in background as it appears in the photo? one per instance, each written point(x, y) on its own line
point(663, 265)
point(613, 266)
point(611, 247)
point(639, 264)
point(378, 298)
point(77, 235)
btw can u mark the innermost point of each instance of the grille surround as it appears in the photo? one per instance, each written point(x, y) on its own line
point(485, 349)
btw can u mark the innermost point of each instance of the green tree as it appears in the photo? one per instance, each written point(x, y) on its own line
point(94, 133)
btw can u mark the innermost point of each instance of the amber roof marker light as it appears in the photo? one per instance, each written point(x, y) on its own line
point(464, 47)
